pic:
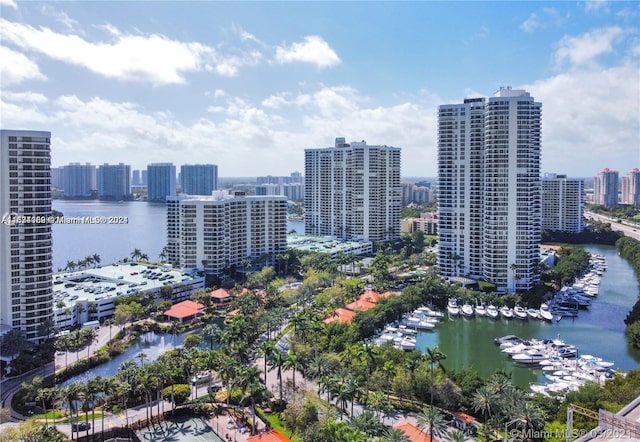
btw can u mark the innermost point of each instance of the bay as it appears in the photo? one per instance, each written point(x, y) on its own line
point(466, 342)
point(146, 229)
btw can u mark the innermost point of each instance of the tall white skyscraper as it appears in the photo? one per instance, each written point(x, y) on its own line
point(224, 230)
point(631, 188)
point(26, 288)
point(606, 187)
point(161, 181)
point(352, 191)
point(489, 189)
point(562, 203)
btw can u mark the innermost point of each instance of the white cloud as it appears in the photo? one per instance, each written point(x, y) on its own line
point(596, 6)
point(274, 101)
point(9, 3)
point(312, 50)
point(592, 110)
point(153, 58)
point(532, 23)
point(69, 24)
point(244, 35)
point(16, 68)
point(23, 97)
point(586, 48)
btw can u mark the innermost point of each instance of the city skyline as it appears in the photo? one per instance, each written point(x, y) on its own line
point(261, 82)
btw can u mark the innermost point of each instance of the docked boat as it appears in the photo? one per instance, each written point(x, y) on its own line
point(429, 312)
point(506, 312)
point(545, 314)
point(480, 310)
point(492, 312)
point(416, 322)
point(530, 357)
point(506, 338)
point(520, 312)
point(452, 308)
point(467, 310)
point(533, 313)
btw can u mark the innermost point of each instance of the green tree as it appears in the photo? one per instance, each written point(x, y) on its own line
point(431, 420)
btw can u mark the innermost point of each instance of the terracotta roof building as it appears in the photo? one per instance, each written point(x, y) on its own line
point(269, 436)
point(413, 433)
point(185, 310)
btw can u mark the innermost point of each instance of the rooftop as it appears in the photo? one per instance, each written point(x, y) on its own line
point(118, 279)
point(184, 309)
point(323, 244)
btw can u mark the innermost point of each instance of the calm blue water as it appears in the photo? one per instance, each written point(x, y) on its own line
point(146, 230)
point(467, 343)
point(151, 344)
point(598, 331)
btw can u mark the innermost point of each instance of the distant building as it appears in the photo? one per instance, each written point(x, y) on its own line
point(136, 178)
point(605, 188)
point(161, 181)
point(352, 191)
point(631, 188)
point(114, 182)
point(79, 180)
point(198, 179)
point(489, 189)
point(216, 232)
point(26, 292)
point(293, 191)
point(412, 193)
point(294, 178)
point(57, 178)
point(562, 203)
point(143, 177)
point(428, 223)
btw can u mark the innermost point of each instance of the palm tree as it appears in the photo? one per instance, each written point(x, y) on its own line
point(394, 435)
point(94, 386)
point(122, 391)
point(96, 259)
point(46, 395)
point(292, 362)
point(108, 393)
point(433, 421)
point(433, 357)
point(136, 254)
point(530, 415)
point(142, 356)
point(70, 266)
point(484, 400)
point(251, 385)
point(71, 394)
point(277, 363)
point(456, 436)
point(164, 254)
point(266, 349)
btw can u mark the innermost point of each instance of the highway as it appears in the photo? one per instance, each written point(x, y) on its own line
point(630, 230)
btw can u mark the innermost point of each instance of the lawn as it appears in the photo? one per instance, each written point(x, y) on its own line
point(276, 424)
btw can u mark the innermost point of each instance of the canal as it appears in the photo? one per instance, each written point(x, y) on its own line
point(598, 331)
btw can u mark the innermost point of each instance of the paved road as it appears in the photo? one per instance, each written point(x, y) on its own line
point(630, 230)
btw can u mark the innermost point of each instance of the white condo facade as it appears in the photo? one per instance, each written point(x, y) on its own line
point(214, 233)
point(489, 208)
point(26, 291)
point(352, 191)
point(562, 203)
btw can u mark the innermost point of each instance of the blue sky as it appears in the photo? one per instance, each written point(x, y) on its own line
point(249, 86)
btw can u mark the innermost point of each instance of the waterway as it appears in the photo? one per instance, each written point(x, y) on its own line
point(151, 344)
point(598, 331)
point(466, 342)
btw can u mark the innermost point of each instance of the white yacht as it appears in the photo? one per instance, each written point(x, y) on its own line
point(452, 307)
point(492, 312)
point(506, 312)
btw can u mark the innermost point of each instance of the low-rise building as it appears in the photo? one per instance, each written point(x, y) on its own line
point(329, 245)
point(90, 294)
point(428, 223)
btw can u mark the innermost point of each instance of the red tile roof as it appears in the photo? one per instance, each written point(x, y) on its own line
point(340, 315)
point(184, 309)
point(220, 294)
point(413, 433)
point(464, 417)
point(360, 304)
point(269, 436)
